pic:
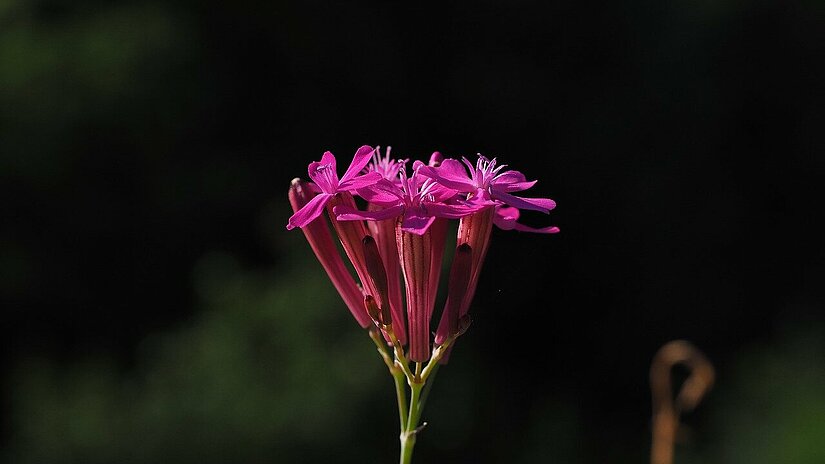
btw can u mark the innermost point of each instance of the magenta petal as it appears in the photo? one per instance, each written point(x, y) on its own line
point(359, 161)
point(416, 224)
point(348, 213)
point(450, 174)
point(452, 211)
point(435, 159)
point(509, 223)
point(536, 204)
point(323, 173)
point(383, 192)
point(379, 197)
point(310, 211)
point(366, 180)
point(518, 186)
point(512, 181)
point(329, 158)
point(507, 213)
point(506, 218)
point(510, 177)
point(543, 230)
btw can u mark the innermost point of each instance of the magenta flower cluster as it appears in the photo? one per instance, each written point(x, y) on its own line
point(402, 234)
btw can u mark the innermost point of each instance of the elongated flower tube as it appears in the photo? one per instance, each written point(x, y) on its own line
point(475, 230)
point(438, 231)
point(415, 253)
point(457, 288)
point(378, 276)
point(384, 234)
point(320, 240)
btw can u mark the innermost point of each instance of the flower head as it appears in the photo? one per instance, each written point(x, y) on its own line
point(404, 236)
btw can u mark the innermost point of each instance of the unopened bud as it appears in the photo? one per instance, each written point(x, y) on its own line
point(372, 309)
point(380, 316)
point(376, 271)
point(463, 325)
point(435, 159)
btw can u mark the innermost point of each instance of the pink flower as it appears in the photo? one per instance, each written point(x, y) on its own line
point(486, 182)
point(324, 174)
point(417, 201)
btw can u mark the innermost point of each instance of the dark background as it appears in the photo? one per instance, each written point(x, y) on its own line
point(156, 310)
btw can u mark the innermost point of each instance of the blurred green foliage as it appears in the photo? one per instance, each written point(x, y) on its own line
point(272, 365)
point(59, 74)
point(770, 407)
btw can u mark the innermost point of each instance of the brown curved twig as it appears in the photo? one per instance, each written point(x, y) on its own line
point(666, 411)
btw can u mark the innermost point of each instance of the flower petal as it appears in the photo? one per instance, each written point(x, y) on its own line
point(361, 158)
point(416, 223)
point(323, 173)
point(383, 192)
point(536, 204)
point(358, 182)
point(348, 213)
point(506, 218)
point(512, 181)
point(543, 230)
point(450, 174)
point(519, 186)
point(507, 213)
point(435, 159)
point(309, 212)
point(452, 211)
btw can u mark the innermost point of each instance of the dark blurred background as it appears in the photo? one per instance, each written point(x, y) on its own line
point(156, 310)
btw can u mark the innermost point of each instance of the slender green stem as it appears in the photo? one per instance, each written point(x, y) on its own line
point(382, 348)
point(401, 394)
point(402, 363)
point(408, 434)
point(399, 368)
point(427, 387)
point(397, 373)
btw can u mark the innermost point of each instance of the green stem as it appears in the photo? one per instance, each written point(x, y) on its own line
point(397, 373)
point(408, 434)
point(427, 387)
point(401, 394)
